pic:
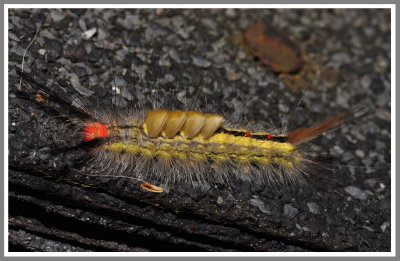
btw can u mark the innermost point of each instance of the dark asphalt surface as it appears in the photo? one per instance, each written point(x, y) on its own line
point(345, 207)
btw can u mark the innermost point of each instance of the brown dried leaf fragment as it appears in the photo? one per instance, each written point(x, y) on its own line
point(151, 187)
point(273, 48)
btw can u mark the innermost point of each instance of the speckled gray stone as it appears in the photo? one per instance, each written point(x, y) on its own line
point(261, 206)
point(313, 207)
point(356, 192)
point(289, 211)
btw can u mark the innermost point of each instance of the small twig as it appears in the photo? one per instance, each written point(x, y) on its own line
point(26, 50)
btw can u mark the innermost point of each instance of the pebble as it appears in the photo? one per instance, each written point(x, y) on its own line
point(360, 153)
point(369, 228)
point(57, 15)
point(356, 192)
point(261, 205)
point(174, 55)
point(289, 211)
point(74, 79)
point(384, 226)
point(75, 53)
point(313, 207)
point(17, 50)
point(208, 22)
point(325, 235)
point(89, 33)
point(152, 33)
point(200, 62)
point(132, 20)
point(53, 50)
point(126, 94)
point(102, 35)
point(366, 81)
point(347, 156)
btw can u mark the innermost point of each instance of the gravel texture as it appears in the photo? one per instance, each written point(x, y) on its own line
point(151, 55)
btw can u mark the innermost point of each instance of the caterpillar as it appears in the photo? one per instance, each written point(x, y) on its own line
point(178, 146)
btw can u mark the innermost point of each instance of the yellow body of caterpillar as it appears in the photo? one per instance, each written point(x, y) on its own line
point(194, 136)
point(176, 146)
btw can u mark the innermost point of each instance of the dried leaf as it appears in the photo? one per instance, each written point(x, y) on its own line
point(151, 187)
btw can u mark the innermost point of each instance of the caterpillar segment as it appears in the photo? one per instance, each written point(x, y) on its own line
point(190, 124)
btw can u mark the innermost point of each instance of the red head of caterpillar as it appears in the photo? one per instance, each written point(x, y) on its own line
point(94, 130)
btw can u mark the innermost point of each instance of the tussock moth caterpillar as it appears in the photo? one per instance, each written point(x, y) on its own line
point(190, 146)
